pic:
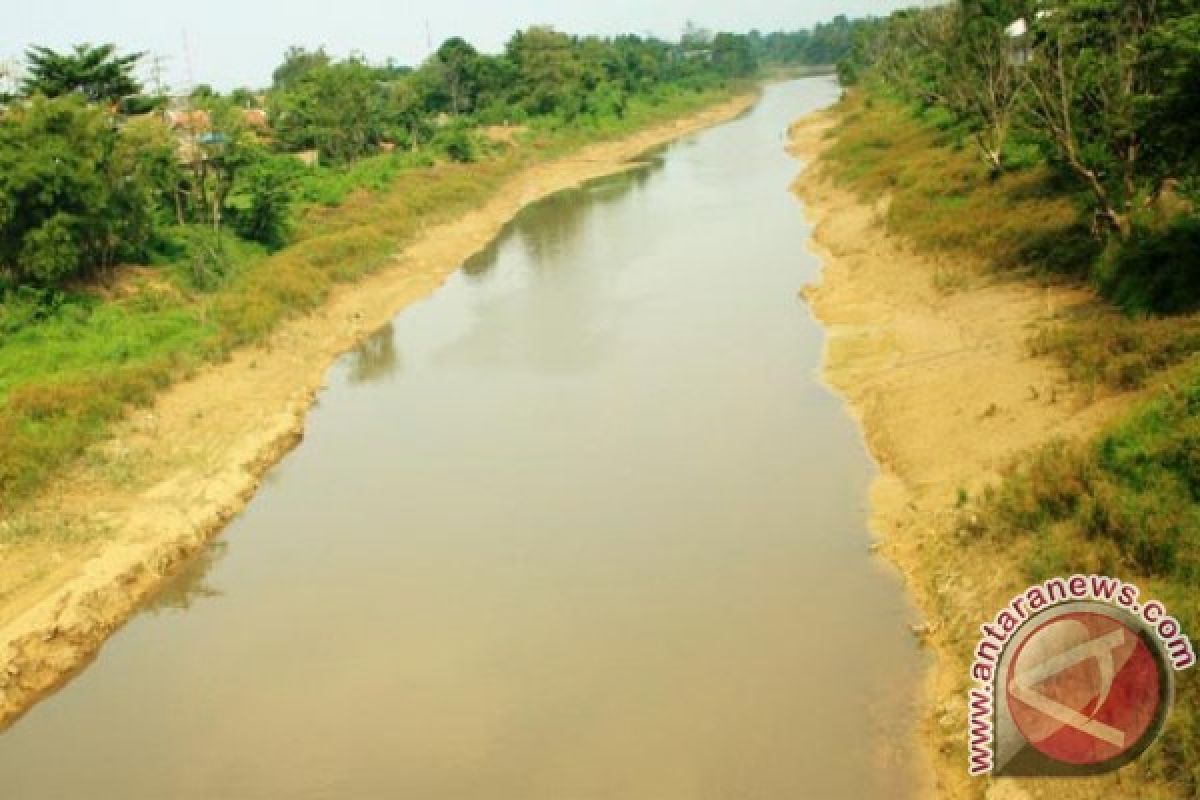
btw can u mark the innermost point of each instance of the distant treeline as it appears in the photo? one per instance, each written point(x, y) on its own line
point(94, 171)
point(1106, 92)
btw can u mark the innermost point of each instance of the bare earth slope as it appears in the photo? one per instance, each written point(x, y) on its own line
point(946, 392)
point(173, 475)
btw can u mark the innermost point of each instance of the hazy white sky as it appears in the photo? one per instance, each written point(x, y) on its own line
point(239, 42)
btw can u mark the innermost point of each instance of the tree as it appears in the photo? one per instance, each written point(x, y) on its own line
point(98, 73)
point(732, 55)
point(983, 83)
point(456, 66)
point(244, 98)
point(216, 158)
point(547, 71)
point(75, 193)
point(1172, 58)
point(916, 53)
point(335, 108)
point(404, 118)
point(260, 203)
point(1091, 88)
point(297, 63)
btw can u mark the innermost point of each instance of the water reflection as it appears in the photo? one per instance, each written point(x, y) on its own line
point(554, 224)
point(376, 358)
point(189, 584)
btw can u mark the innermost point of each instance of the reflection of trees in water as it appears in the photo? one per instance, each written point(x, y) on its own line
point(481, 263)
point(375, 358)
point(549, 226)
point(188, 584)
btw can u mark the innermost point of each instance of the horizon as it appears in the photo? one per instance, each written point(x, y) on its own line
point(187, 49)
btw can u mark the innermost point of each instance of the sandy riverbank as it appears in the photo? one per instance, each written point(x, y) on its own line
point(932, 358)
point(173, 475)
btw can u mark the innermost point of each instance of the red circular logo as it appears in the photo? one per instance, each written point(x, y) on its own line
point(1084, 688)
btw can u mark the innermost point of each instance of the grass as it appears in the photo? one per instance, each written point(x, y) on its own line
point(1104, 350)
point(1125, 504)
point(71, 364)
point(944, 198)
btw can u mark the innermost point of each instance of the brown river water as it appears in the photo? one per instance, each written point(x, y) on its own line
point(585, 524)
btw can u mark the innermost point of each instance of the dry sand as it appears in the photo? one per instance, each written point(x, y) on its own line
point(137, 507)
point(932, 357)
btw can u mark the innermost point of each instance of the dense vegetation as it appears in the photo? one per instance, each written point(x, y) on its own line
point(1059, 140)
point(1103, 92)
point(217, 199)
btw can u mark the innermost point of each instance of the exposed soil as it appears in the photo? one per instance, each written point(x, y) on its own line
point(78, 562)
point(932, 357)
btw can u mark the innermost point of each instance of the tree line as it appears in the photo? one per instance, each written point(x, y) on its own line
point(1105, 92)
point(90, 176)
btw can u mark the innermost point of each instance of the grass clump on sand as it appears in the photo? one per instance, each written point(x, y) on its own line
point(1103, 349)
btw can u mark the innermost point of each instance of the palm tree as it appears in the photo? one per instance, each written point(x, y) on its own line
point(96, 72)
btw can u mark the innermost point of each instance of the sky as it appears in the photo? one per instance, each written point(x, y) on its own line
point(230, 43)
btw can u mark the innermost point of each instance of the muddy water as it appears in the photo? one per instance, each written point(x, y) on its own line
point(585, 524)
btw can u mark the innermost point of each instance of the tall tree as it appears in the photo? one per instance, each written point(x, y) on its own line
point(456, 67)
point(337, 109)
point(99, 73)
point(985, 82)
point(547, 70)
point(298, 62)
point(1092, 85)
point(76, 193)
point(733, 56)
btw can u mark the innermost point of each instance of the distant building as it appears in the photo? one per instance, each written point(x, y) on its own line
point(1020, 43)
point(194, 122)
point(256, 119)
point(1023, 36)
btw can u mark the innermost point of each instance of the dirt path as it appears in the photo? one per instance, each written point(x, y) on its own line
point(932, 358)
point(103, 540)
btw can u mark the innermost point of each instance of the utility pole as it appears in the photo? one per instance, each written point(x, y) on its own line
point(158, 68)
point(187, 63)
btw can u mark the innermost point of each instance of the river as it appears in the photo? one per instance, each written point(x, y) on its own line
point(584, 524)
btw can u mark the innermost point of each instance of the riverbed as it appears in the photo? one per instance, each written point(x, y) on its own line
point(584, 524)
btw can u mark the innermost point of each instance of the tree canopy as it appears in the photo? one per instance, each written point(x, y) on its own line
point(1103, 93)
point(91, 174)
point(97, 72)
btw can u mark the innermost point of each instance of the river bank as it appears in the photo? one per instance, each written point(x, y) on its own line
point(933, 357)
point(174, 474)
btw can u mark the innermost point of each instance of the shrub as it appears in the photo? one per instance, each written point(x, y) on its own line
point(1156, 269)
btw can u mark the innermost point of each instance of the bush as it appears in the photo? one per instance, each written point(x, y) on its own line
point(1157, 269)
point(1127, 504)
point(260, 206)
point(75, 193)
point(458, 144)
point(26, 305)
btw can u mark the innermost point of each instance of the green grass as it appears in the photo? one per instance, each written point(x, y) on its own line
point(1102, 349)
point(1126, 504)
point(72, 364)
point(945, 198)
